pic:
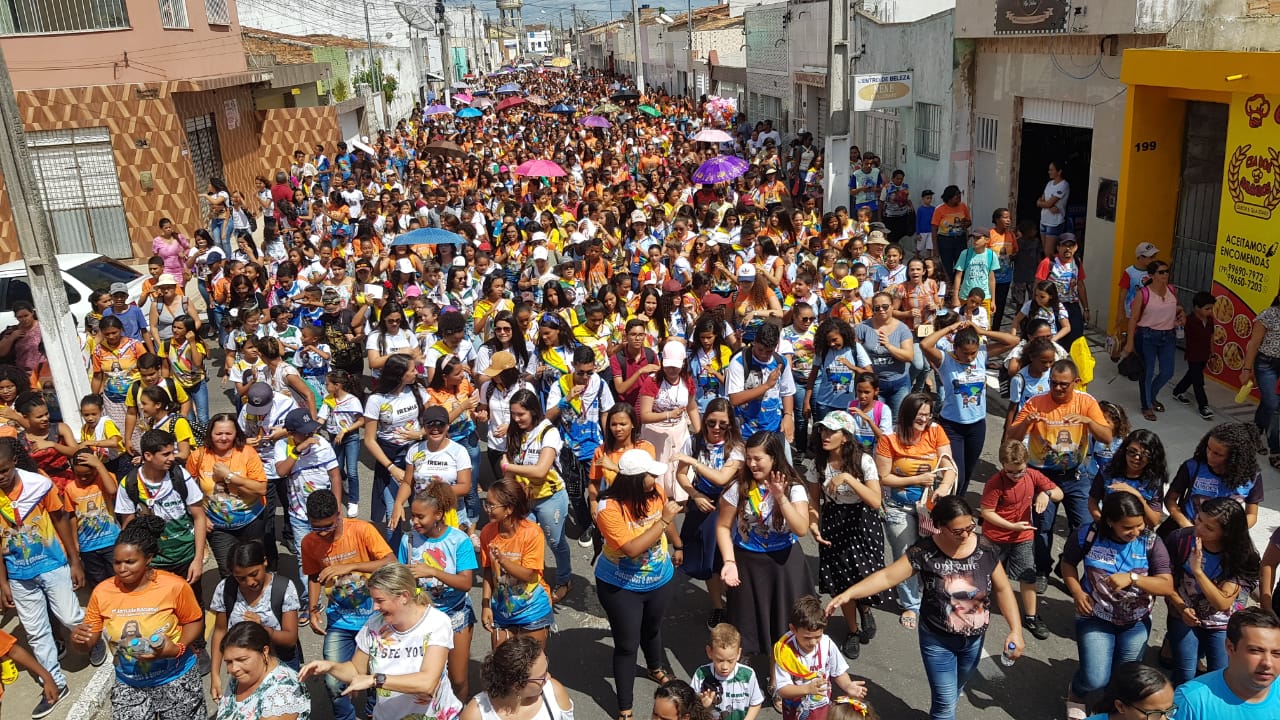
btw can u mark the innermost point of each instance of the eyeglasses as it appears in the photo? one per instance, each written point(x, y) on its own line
point(325, 529)
point(490, 505)
point(964, 531)
point(1137, 453)
point(1061, 384)
point(1015, 475)
point(540, 680)
point(1166, 714)
point(880, 308)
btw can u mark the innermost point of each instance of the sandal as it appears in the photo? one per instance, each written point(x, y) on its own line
point(1274, 460)
point(1149, 415)
point(625, 715)
point(908, 621)
point(776, 701)
point(1157, 406)
point(658, 675)
point(559, 592)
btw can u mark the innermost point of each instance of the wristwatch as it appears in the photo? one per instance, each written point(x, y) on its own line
point(1133, 578)
point(379, 680)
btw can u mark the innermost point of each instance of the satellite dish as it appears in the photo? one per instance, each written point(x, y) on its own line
point(415, 16)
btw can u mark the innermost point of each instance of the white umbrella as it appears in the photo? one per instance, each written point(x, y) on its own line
point(712, 135)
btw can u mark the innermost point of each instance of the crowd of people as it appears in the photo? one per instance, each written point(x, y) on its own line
point(687, 376)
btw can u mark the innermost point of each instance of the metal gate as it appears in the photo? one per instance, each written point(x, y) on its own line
point(881, 136)
point(1195, 236)
point(206, 156)
point(80, 191)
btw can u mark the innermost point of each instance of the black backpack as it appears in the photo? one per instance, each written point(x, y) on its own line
point(279, 587)
point(133, 486)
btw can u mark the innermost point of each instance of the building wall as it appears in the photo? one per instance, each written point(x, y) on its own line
point(976, 18)
point(339, 68)
point(154, 53)
point(288, 129)
point(768, 66)
point(905, 11)
point(727, 43)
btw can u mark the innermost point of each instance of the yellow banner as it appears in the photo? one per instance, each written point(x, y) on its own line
point(1245, 273)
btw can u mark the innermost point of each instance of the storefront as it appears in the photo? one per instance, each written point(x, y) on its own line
point(1200, 174)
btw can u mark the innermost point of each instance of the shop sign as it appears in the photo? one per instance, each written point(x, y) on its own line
point(882, 90)
point(1031, 17)
point(1246, 272)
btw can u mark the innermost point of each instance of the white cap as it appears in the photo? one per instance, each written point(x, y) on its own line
point(373, 292)
point(576, 237)
point(639, 216)
point(673, 354)
point(540, 253)
point(747, 272)
point(640, 462)
point(460, 261)
point(538, 236)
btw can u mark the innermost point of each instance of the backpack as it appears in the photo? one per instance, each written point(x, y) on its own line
point(279, 587)
point(170, 385)
point(133, 486)
point(650, 357)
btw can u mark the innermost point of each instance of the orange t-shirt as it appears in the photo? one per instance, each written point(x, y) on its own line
point(163, 605)
point(599, 473)
point(527, 547)
point(915, 459)
point(1053, 443)
point(358, 542)
point(616, 526)
point(7, 642)
point(946, 220)
point(225, 507)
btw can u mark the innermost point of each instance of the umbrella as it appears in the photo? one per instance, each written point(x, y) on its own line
point(470, 113)
point(650, 110)
point(480, 92)
point(595, 121)
point(721, 168)
point(561, 108)
point(537, 100)
point(606, 109)
point(463, 98)
point(438, 110)
point(712, 135)
point(510, 103)
point(428, 236)
point(561, 62)
point(540, 168)
point(459, 85)
point(447, 148)
point(509, 88)
point(625, 95)
point(482, 102)
point(359, 143)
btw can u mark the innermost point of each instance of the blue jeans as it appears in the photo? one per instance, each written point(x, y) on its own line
point(1187, 643)
point(300, 530)
point(340, 646)
point(348, 453)
point(1075, 491)
point(902, 531)
point(1157, 345)
point(469, 505)
point(1266, 371)
point(220, 229)
point(1103, 645)
point(967, 440)
point(199, 403)
point(894, 392)
point(949, 660)
point(385, 486)
point(551, 513)
point(33, 599)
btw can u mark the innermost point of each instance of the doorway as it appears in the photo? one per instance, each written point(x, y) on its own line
point(1195, 235)
point(1042, 144)
point(206, 155)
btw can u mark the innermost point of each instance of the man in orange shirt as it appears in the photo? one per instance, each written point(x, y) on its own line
point(1060, 427)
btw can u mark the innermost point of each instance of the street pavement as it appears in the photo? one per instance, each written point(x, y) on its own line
point(580, 651)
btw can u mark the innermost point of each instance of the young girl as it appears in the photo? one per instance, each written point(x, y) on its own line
point(51, 443)
point(1138, 468)
point(1044, 305)
point(1101, 454)
point(100, 433)
point(313, 361)
point(249, 321)
point(249, 369)
point(675, 700)
point(872, 419)
point(974, 309)
point(157, 411)
point(290, 336)
point(517, 599)
point(254, 593)
point(93, 495)
point(1215, 568)
point(934, 271)
point(185, 355)
point(1033, 379)
point(621, 433)
point(342, 414)
point(443, 560)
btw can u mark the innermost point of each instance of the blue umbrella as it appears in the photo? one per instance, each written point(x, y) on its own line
point(509, 88)
point(561, 108)
point(428, 236)
point(470, 113)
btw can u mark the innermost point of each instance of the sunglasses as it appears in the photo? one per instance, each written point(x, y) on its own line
point(964, 531)
point(880, 308)
point(718, 424)
point(324, 529)
point(436, 425)
point(805, 319)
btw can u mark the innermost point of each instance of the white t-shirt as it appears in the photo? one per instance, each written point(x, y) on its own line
point(442, 466)
point(165, 503)
point(1062, 191)
point(354, 199)
point(596, 399)
point(825, 659)
point(403, 340)
point(393, 412)
point(310, 472)
point(257, 426)
point(392, 652)
point(500, 411)
point(845, 495)
point(342, 414)
point(259, 612)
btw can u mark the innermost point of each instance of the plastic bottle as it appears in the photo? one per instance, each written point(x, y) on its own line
point(1006, 657)
point(8, 672)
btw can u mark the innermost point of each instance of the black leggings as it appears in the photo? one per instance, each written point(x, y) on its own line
point(635, 619)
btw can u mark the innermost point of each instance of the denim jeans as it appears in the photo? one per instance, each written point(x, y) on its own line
point(1187, 644)
point(199, 403)
point(901, 531)
point(1103, 645)
point(1075, 491)
point(967, 440)
point(348, 453)
point(1266, 371)
point(893, 393)
point(33, 599)
point(469, 505)
point(551, 513)
point(340, 646)
point(220, 229)
point(1157, 345)
point(949, 660)
point(385, 486)
point(300, 530)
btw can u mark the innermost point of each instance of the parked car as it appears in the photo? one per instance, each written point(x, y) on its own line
point(82, 273)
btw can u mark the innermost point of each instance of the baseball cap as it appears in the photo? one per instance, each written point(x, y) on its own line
point(1147, 250)
point(299, 421)
point(119, 289)
point(673, 354)
point(877, 238)
point(640, 462)
point(711, 301)
point(672, 285)
point(460, 261)
point(538, 237)
point(746, 272)
point(839, 420)
point(927, 193)
point(166, 279)
point(1067, 239)
point(849, 282)
point(435, 415)
point(638, 216)
point(501, 360)
point(330, 296)
point(259, 396)
point(540, 253)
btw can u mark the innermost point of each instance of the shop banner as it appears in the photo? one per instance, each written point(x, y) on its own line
point(1246, 272)
point(1029, 17)
point(882, 90)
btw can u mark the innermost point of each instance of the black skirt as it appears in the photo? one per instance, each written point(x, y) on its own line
point(856, 534)
point(770, 583)
point(698, 535)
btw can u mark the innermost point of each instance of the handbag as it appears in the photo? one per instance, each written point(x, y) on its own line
point(924, 519)
point(1131, 366)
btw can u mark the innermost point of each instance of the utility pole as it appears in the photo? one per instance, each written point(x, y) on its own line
point(44, 277)
point(374, 73)
point(836, 150)
point(562, 36)
point(635, 36)
point(577, 38)
point(693, 74)
point(446, 52)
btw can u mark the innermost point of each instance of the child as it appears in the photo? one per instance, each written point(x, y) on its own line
point(288, 335)
point(933, 269)
point(924, 225)
point(100, 433)
point(248, 369)
point(725, 685)
point(848, 708)
point(872, 419)
point(1025, 264)
point(974, 309)
point(443, 560)
point(158, 411)
point(676, 700)
point(309, 306)
point(342, 413)
point(51, 444)
point(12, 653)
point(1007, 503)
point(93, 495)
point(1199, 338)
point(806, 662)
point(1135, 277)
point(1100, 454)
point(307, 462)
point(313, 360)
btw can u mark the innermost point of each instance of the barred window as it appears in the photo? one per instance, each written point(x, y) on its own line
point(928, 130)
point(34, 17)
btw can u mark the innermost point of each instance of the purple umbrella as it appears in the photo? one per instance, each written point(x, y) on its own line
point(595, 121)
point(438, 110)
point(721, 168)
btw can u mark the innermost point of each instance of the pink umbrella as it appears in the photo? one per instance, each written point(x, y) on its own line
point(463, 98)
point(482, 102)
point(595, 121)
point(712, 135)
point(510, 103)
point(540, 168)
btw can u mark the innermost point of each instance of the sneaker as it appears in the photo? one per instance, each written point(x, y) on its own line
point(1036, 626)
point(1182, 398)
point(353, 510)
point(98, 655)
point(203, 661)
point(1076, 711)
point(1042, 584)
point(1206, 413)
point(45, 707)
point(585, 539)
point(62, 647)
point(715, 617)
point(851, 647)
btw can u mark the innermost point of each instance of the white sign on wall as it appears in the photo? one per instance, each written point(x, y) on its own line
point(882, 90)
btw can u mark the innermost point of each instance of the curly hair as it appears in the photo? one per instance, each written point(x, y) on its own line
point(1155, 474)
point(687, 703)
point(506, 669)
point(773, 447)
point(1241, 440)
point(828, 326)
point(143, 532)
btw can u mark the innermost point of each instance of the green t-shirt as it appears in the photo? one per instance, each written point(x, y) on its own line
point(738, 693)
point(977, 269)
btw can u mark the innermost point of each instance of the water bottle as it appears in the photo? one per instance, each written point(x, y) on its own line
point(8, 672)
point(1180, 332)
point(1006, 657)
point(156, 642)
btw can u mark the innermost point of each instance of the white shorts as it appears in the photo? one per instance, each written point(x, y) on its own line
point(924, 241)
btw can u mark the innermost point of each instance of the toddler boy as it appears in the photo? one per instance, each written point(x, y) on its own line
point(727, 687)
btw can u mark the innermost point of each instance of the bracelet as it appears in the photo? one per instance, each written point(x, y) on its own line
point(679, 548)
point(182, 648)
point(726, 562)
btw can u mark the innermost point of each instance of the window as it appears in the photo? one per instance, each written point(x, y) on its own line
point(217, 12)
point(928, 130)
point(173, 14)
point(33, 17)
point(76, 173)
point(987, 134)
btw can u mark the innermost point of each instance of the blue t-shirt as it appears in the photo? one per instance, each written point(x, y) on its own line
point(452, 552)
point(924, 219)
point(833, 385)
point(1024, 386)
point(977, 268)
point(1145, 555)
point(758, 525)
point(1199, 483)
point(887, 368)
point(132, 318)
point(1208, 698)
point(1100, 456)
point(763, 413)
point(963, 389)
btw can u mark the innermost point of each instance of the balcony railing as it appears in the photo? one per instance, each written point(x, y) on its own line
point(37, 17)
